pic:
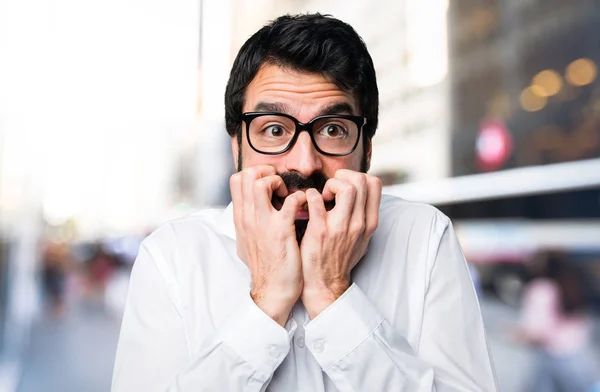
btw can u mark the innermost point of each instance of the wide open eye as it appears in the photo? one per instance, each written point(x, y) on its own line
point(333, 130)
point(274, 131)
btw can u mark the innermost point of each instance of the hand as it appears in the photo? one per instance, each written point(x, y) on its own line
point(336, 240)
point(266, 239)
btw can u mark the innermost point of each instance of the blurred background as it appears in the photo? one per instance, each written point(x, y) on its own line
point(111, 122)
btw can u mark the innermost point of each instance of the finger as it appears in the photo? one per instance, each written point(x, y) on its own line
point(327, 194)
point(252, 174)
point(235, 186)
point(373, 202)
point(261, 170)
point(263, 193)
point(291, 205)
point(249, 176)
point(345, 194)
point(359, 180)
point(316, 207)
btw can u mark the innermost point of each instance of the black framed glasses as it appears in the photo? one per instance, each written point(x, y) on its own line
point(274, 133)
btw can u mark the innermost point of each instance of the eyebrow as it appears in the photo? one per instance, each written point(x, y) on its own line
point(334, 108)
point(277, 107)
point(337, 108)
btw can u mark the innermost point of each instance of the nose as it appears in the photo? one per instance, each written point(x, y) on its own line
point(303, 157)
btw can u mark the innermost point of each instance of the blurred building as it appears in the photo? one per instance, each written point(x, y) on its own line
point(524, 71)
point(524, 101)
point(96, 100)
point(407, 40)
point(93, 116)
point(525, 93)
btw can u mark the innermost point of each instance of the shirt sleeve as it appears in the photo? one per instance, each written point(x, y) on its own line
point(153, 353)
point(360, 351)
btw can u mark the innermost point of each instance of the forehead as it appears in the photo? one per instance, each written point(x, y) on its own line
point(302, 93)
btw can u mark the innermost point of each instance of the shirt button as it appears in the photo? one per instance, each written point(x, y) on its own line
point(300, 341)
point(319, 346)
point(274, 352)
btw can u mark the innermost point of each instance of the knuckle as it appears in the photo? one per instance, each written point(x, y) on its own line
point(343, 172)
point(294, 199)
point(370, 228)
point(350, 189)
point(357, 228)
point(320, 231)
point(313, 196)
point(278, 181)
point(259, 185)
point(375, 181)
point(375, 221)
point(235, 179)
point(251, 172)
point(263, 171)
point(289, 205)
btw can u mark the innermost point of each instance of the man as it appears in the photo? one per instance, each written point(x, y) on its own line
point(309, 280)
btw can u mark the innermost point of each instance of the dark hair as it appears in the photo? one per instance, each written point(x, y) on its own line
point(311, 43)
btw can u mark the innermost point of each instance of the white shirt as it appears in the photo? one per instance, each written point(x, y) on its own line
point(409, 322)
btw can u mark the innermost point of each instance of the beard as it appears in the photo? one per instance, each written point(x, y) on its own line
point(294, 181)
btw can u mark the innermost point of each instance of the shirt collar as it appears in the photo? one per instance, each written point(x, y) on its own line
point(226, 222)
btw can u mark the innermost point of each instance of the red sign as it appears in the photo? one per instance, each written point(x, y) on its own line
point(494, 145)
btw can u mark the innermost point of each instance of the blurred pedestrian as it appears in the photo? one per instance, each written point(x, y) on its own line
point(55, 260)
point(556, 323)
point(100, 268)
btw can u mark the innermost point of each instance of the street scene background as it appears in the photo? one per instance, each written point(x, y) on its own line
point(112, 122)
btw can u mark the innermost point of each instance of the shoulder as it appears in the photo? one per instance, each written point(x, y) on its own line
point(399, 215)
point(185, 235)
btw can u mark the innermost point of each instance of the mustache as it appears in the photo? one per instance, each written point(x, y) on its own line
point(295, 181)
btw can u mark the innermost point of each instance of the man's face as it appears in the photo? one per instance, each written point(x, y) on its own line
point(303, 96)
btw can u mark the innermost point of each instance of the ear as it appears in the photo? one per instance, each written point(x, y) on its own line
point(235, 150)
